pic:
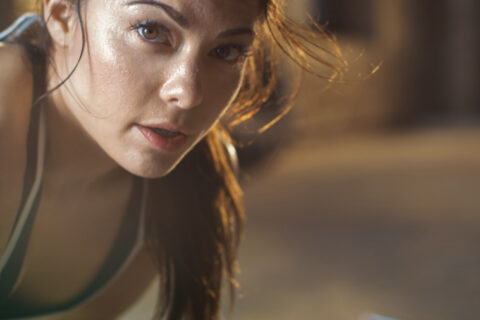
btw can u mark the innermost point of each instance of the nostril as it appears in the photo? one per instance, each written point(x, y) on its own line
point(173, 100)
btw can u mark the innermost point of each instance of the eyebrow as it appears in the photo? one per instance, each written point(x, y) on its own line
point(183, 22)
point(174, 14)
point(236, 32)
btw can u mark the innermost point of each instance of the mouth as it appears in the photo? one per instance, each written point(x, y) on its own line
point(165, 133)
point(163, 137)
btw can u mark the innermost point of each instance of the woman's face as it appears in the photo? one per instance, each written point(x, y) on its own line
point(156, 75)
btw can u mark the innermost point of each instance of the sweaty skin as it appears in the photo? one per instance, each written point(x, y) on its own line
point(126, 80)
point(176, 64)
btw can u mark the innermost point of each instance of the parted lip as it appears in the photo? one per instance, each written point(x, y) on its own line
point(161, 140)
point(170, 126)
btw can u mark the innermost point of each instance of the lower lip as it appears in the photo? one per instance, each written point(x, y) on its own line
point(162, 143)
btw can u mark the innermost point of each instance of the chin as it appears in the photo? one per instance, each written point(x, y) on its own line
point(152, 168)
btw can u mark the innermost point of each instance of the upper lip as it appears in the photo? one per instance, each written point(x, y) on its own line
point(170, 126)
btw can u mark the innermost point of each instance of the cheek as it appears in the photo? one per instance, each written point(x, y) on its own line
point(110, 78)
point(223, 86)
point(219, 90)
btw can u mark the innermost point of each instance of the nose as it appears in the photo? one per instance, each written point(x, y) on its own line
point(182, 87)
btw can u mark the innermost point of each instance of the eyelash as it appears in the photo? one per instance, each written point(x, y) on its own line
point(243, 52)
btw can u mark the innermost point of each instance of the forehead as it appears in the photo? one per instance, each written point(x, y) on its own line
point(212, 11)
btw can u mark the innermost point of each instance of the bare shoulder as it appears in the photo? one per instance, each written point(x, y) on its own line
point(14, 62)
point(15, 97)
point(16, 82)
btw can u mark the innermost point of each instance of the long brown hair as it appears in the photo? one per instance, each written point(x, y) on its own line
point(195, 242)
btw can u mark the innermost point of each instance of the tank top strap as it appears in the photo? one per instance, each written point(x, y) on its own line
point(18, 28)
point(128, 241)
point(14, 253)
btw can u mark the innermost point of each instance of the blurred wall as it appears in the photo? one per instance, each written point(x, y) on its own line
point(463, 54)
point(430, 54)
point(6, 13)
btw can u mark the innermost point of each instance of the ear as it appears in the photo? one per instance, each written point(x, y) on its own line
point(60, 17)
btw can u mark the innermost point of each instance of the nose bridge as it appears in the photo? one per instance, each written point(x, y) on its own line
point(182, 86)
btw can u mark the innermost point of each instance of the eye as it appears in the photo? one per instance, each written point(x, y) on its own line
point(229, 52)
point(152, 31)
point(149, 33)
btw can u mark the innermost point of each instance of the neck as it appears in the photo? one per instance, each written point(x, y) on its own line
point(72, 157)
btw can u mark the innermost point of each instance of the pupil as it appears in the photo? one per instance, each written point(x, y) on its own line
point(223, 52)
point(149, 32)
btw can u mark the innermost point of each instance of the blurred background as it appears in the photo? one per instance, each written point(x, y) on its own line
point(365, 200)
